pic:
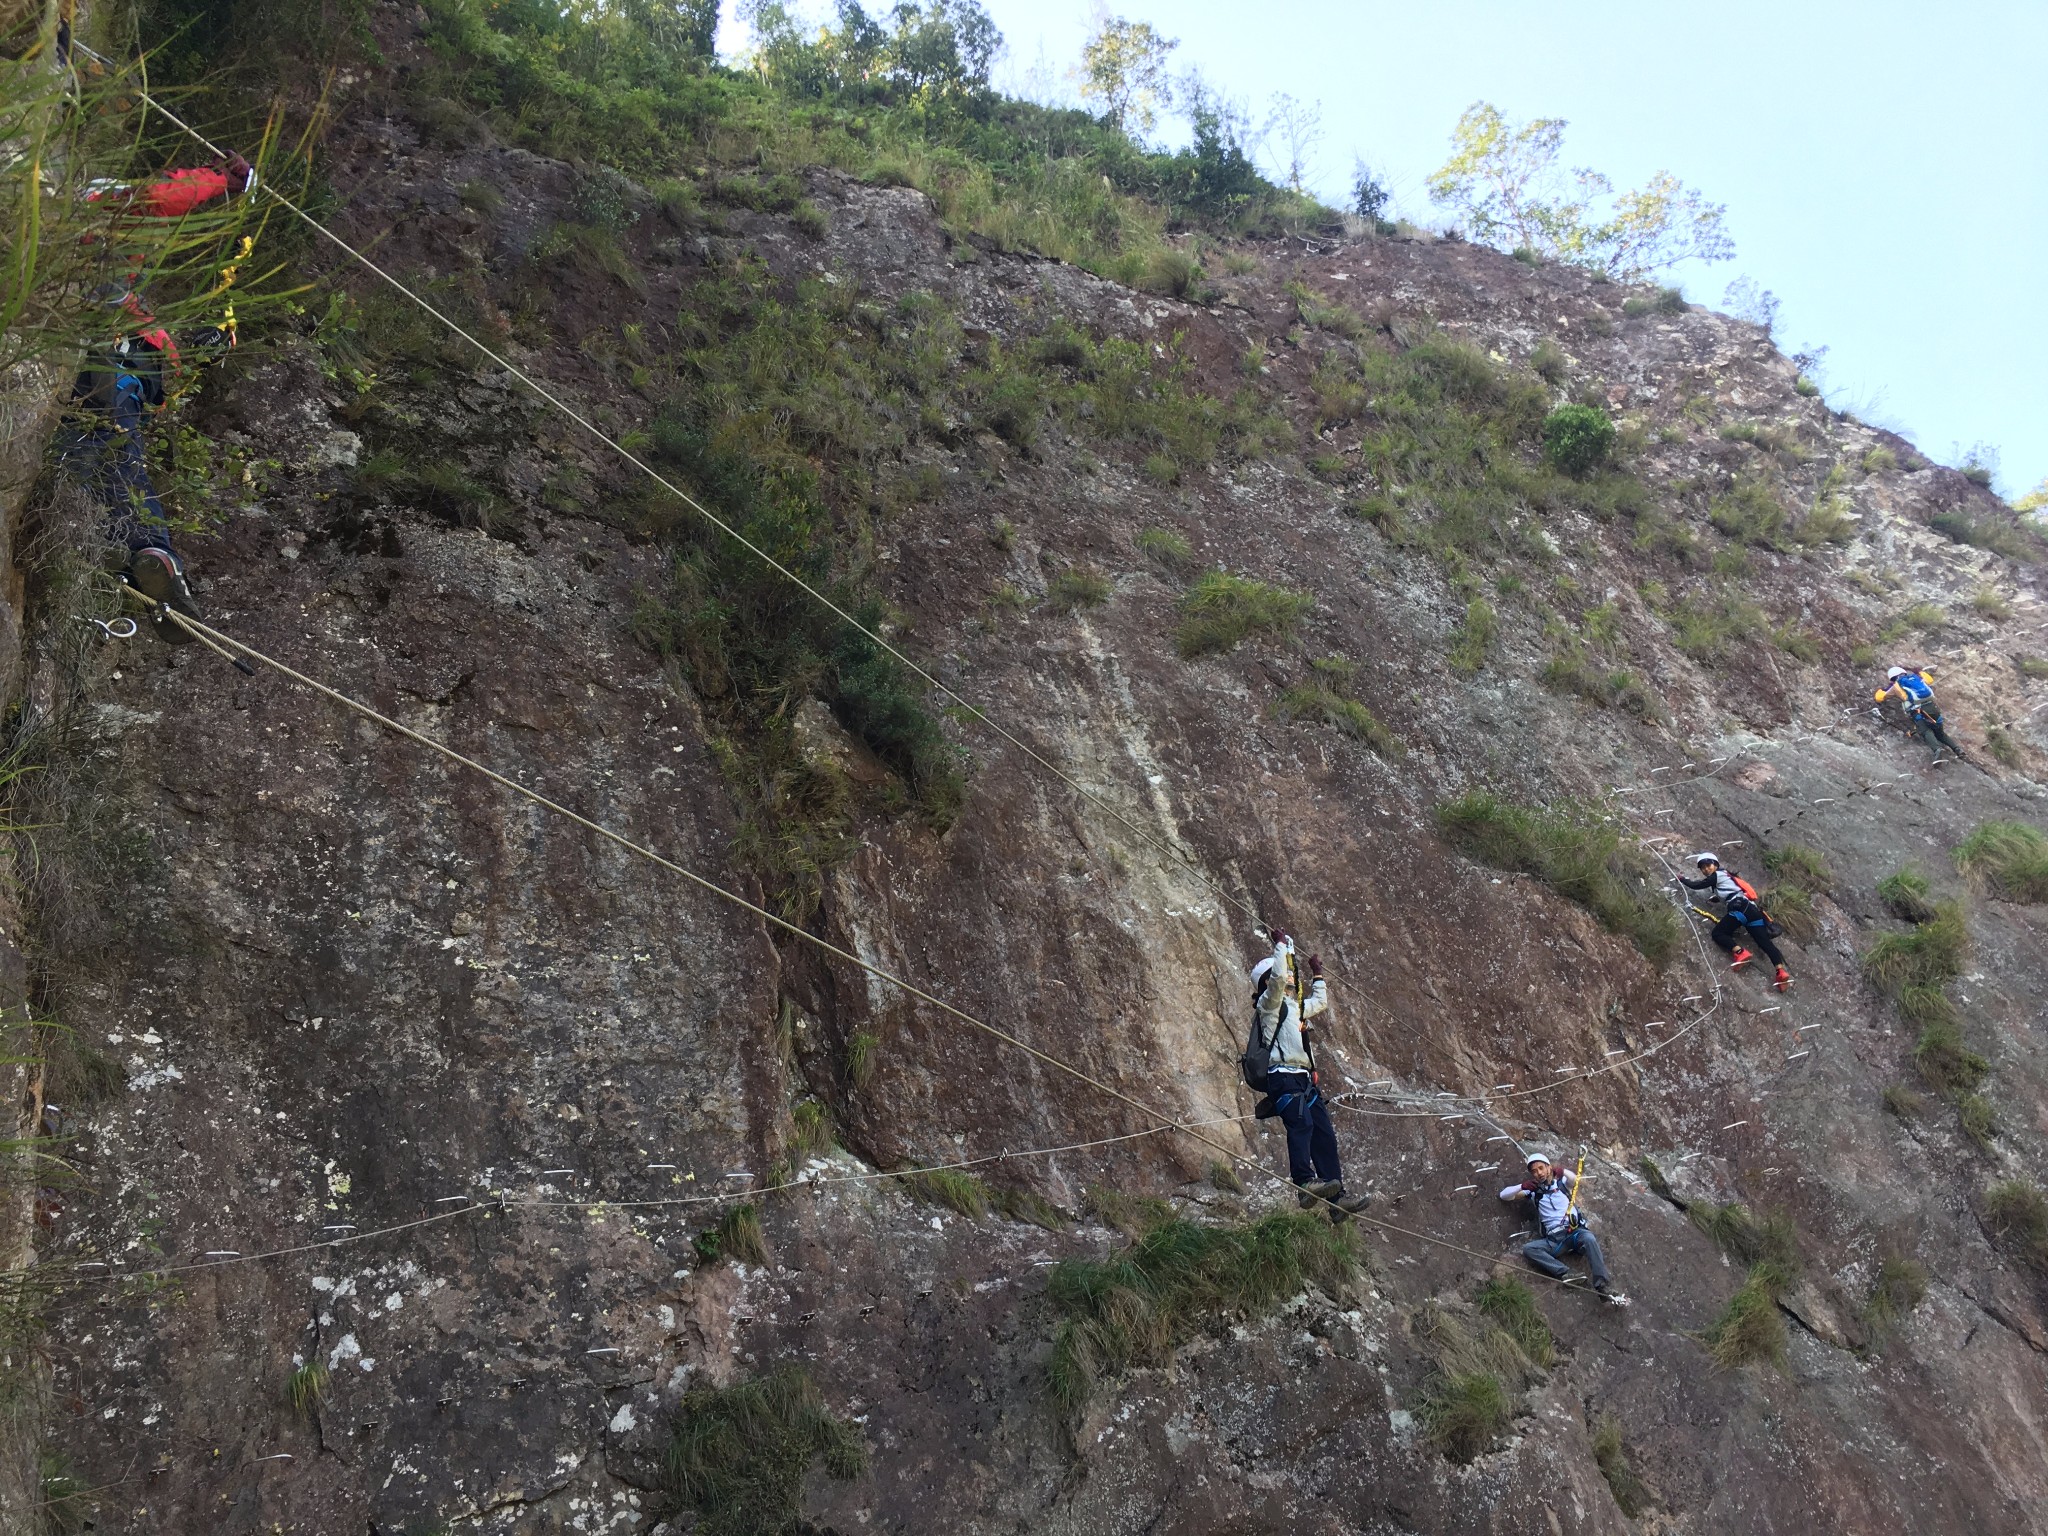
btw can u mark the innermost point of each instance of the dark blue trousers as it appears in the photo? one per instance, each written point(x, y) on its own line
point(1549, 1254)
point(107, 459)
point(1311, 1138)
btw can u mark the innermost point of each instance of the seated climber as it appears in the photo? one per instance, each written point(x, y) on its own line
point(1914, 688)
point(1742, 915)
point(1281, 1010)
point(1552, 1192)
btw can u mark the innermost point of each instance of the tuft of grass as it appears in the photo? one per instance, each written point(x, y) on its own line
point(1977, 1119)
point(2001, 744)
point(1137, 1306)
point(2034, 666)
point(1464, 1413)
point(1900, 1286)
point(1798, 865)
point(1879, 461)
point(1750, 1329)
point(1511, 1306)
point(1028, 1206)
point(1314, 702)
point(1221, 611)
point(1930, 955)
point(1631, 1494)
point(740, 1455)
point(863, 1051)
point(1654, 1177)
point(1749, 513)
point(1792, 908)
point(1167, 549)
point(736, 1235)
point(1902, 1101)
point(1132, 1215)
point(2009, 856)
point(1805, 387)
point(2017, 1214)
point(306, 1388)
point(1472, 637)
point(1572, 671)
point(1991, 604)
point(1576, 854)
point(1904, 891)
point(1548, 362)
point(2007, 536)
point(810, 1128)
point(1223, 1175)
point(1947, 1062)
point(1749, 1238)
point(1665, 301)
point(1078, 586)
point(956, 1191)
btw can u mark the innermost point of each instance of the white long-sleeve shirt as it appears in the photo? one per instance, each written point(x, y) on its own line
point(1553, 1200)
point(1282, 1012)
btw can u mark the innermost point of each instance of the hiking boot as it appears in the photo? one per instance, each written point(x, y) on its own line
point(1351, 1205)
point(158, 576)
point(1783, 980)
point(1318, 1192)
point(1742, 958)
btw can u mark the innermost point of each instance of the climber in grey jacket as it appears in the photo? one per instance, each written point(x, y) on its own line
point(1283, 1010)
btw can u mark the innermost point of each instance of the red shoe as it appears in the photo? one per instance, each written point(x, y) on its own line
point(1783, 981)
point(1742, 958)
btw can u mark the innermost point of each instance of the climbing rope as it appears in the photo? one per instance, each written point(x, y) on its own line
point(228, 644)
point(587, 425)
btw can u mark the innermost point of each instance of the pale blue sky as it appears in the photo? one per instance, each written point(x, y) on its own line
point(1884, 163)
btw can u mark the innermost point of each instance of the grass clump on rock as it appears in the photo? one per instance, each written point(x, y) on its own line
point(1136, 1306)
point(1221, 610)
point(2017, 1214)
point(1482, 1365)
point(737, 1235)
point(1577, 438)
point(739, 1455)
point(1631, 1494)
point(956, 1191)
point(1904, 891)
point(2010, 857)
point(1577, 856)
point(1078, 586)
point(1748, 1237)
point(1900, 1286)
point(1750, 1329)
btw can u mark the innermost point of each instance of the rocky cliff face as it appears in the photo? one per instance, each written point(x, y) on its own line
point(356, 990)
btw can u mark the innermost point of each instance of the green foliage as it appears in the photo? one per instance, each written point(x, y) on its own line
point(1511, 1306)
point(1221, 610)
point(1571, 671)
point(2034, 666)
point(1223, 1175)
point(1930, 955)
point(1132, 1215)
point(1548, 362)
point(1665, 301)
point(1463, 1414)
point(739, 1455)
point(306, 1387)
point(1318, 702)
point(1631, 1494)
point(2014, 538)
point(1504, 182)
point(1946, 1061)
point(2009, 856)
point(1904, 891)
point(1028, 1206)
point(1750, 514)
point(1801, 866)
point(810, 1128)
point(1750, 1330)
point(1481, 1367)
point(1579, 855)
point(1078, 586)
point(1135, 1307)
point(1792, 908)
point(1902, 1101)
point(2017, 1214)
point(1991, 604)
point(1879, 461)
point(1749, 1238)
point(957, 1191)
point(2000, 743)
point(1977, 1119)
point(1899, 1286)
point(1470, 640)
point(1167, 549)
point(736, 1235)
point(863, 1055)
point(1714, 626)
point(1577, 438)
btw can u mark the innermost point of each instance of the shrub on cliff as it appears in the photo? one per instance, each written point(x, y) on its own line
point(1576, 854)
point(739, 1455)
point(1577, 438)
point(2009, 856)
point(1221, 610)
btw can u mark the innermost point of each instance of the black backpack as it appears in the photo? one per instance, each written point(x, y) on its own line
point(1257, 1059)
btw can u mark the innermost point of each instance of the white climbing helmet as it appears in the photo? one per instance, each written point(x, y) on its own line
point(1535, 1158)
point(1895, 674)
point(1702, 860)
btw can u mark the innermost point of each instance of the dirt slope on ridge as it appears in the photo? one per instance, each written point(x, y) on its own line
point(351, 985)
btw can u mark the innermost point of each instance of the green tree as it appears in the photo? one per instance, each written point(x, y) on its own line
point(2035, 500)
point(1123, 66)
point(1504, 181)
